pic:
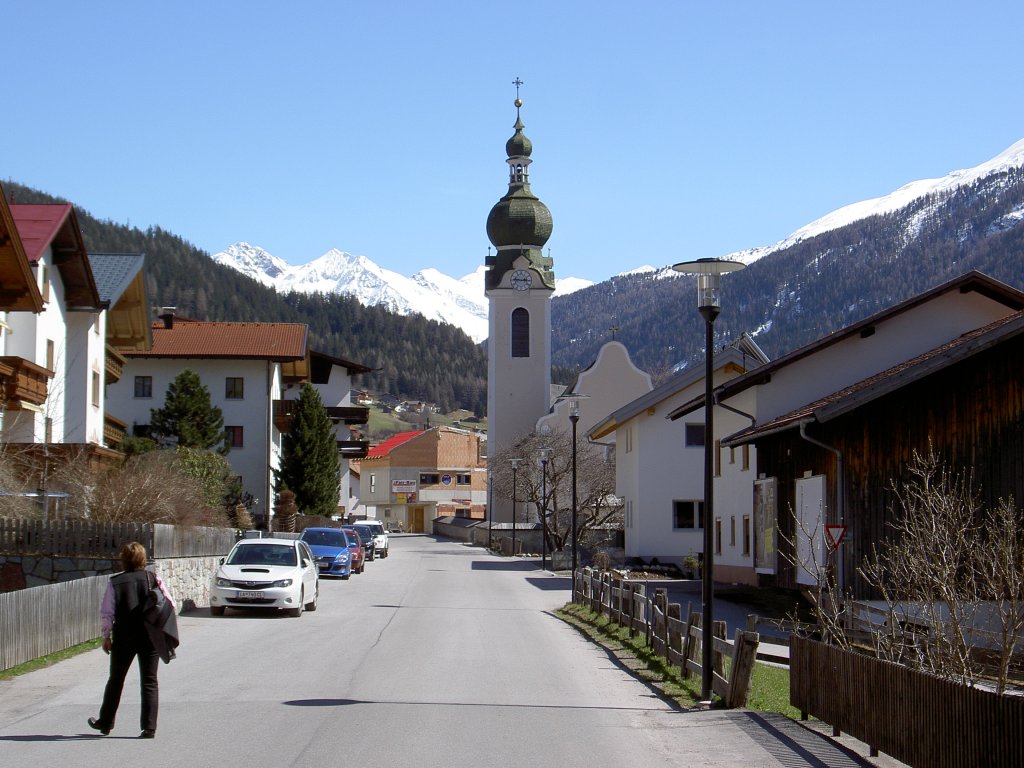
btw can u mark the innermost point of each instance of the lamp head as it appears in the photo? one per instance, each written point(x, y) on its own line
point(709, 281)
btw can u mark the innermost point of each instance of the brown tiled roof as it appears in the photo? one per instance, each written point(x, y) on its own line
point(200, 339)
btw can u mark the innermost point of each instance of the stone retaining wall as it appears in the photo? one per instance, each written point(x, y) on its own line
point(187, 578)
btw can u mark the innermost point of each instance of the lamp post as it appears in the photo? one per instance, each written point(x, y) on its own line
point(709, 285)
point(545, 454)
point(574, 417)
point(515, 466)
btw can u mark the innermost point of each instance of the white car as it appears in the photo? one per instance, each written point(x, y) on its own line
point(380, 536)
point(266, 573)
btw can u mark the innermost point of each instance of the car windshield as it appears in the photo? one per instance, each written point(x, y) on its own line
point(356, 534)
point(364, 532)
point(262, 554)
point(325, 538)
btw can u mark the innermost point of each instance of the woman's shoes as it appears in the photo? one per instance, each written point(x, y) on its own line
point(149, 733)
point(98, 726)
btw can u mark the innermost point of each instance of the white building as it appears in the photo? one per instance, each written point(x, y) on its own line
point(246, 367)
point(659, 467)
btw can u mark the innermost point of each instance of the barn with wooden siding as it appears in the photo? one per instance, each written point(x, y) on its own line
point(844, 451)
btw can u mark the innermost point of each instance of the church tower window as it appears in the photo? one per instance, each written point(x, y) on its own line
point(520, 333)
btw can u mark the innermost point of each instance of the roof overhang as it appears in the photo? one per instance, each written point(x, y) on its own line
point(19, 291)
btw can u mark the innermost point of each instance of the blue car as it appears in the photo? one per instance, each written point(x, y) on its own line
point(332, 549)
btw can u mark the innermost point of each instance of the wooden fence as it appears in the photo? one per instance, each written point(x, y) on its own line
point(915, 717)
point(90, 539)
point(679, 641)
point(41, 620)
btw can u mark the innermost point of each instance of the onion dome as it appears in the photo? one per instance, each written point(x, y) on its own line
point(519, 224)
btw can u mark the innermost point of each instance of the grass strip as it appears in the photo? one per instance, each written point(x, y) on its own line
point(49, 660)
point(769, 687)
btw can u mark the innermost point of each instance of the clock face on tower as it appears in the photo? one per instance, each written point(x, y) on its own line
point(521, 280)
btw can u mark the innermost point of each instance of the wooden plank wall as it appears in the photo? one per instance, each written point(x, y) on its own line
point(41, 620)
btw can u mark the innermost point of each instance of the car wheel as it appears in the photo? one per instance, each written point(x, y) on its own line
point(362, 566)
point(316, 596)
point(216, 610)
point(297, 610)
point(385, 553)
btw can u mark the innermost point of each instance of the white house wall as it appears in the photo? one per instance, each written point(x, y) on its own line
point(261, 449)
point(86, 350)
point(894, 340)
point(28, 336)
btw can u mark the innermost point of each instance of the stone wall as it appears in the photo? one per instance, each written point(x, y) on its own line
point(187, 578)
point(22, 571)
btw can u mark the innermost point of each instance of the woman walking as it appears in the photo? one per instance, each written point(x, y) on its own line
point(125, 637)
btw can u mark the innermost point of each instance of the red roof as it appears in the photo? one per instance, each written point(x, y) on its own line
point(383, 449)
point(38, 225)
point(194, 338)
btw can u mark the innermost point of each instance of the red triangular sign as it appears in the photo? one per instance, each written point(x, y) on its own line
point(835, 535)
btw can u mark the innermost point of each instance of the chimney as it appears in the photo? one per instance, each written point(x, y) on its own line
point(167, 315)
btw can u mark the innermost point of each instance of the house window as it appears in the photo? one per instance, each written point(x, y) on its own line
point(50, 355)
point(373, 483)
point(687, 514)
point(718, 535)
point(746, 535)
point(143, 386)
point(732, 455)
point(234, 388)
point(46, 286)
point(718, 458)
point(520, 332)
point(746, 457)
point(629, 439)
point(629, 513)
point(96, 389)
point(461, 512)
point(429, 478)
point(462, 479)
point(694, 436)
point(732, 531)
point(233, 437)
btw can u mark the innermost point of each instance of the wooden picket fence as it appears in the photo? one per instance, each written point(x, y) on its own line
point(679, 641)
point(90, 539)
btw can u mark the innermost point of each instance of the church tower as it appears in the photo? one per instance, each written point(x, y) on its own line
point(518, 284)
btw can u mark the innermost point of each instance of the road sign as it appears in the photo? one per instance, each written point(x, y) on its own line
point(834, 535)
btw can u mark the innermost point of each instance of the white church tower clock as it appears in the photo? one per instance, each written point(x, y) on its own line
point(519, 283)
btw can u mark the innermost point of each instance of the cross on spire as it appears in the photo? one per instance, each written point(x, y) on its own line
point(517, 82)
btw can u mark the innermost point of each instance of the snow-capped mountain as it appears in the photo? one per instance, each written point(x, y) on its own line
point(430, 292)
point(1013, 157)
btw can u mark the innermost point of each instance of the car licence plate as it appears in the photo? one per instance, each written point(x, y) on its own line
point(249, 595)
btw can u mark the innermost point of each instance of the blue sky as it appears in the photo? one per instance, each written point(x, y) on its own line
point(662, 131)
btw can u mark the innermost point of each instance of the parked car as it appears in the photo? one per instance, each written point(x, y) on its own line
point(331, 548)
point(355, 546)
point(266, 573)
point(380, 536)
point(366, 536)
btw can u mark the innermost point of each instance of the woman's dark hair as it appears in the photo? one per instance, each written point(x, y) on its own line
point(133, 556)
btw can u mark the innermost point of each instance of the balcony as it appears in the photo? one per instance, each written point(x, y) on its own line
point(114, 430)
point(22, 383)
point(352, 414)
point(353, 449)
point(114, 365)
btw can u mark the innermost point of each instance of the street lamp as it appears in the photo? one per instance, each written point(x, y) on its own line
point(515, 466)
point(545, 454)
point(709, 287)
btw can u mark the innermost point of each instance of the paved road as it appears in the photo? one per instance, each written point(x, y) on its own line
point(441, 655)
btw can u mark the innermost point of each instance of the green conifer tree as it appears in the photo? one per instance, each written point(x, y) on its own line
point(309, 465)
point(189, 415)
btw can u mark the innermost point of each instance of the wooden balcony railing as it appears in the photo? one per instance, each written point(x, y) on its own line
point(114, 365)
point(349, 414)
point(114, 430)
point(22, 382)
